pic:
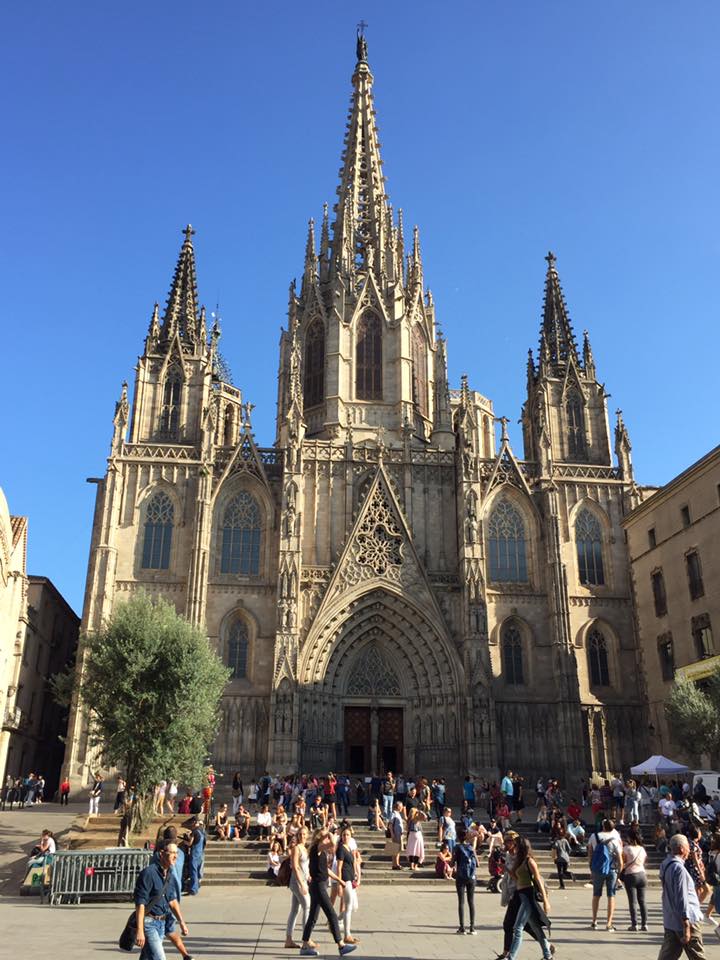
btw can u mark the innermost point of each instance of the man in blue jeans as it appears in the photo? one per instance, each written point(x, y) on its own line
point(156, 897)
point(606, 861)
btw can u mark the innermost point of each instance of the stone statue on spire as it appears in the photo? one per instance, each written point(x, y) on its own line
point(361, 46)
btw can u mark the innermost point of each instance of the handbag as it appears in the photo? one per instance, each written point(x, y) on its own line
point(127, 938)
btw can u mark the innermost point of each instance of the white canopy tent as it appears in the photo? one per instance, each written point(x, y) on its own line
point(658, 766)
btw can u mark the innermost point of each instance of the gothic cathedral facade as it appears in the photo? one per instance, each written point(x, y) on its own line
point(391, 586)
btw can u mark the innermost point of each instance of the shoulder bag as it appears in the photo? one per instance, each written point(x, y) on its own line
point(129, 933)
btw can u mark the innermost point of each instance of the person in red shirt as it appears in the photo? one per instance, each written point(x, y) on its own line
point(574, 810)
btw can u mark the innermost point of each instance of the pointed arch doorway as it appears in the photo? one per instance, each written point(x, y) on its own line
point(373, 715)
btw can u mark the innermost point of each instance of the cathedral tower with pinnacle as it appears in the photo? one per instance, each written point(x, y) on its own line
point(390, 585)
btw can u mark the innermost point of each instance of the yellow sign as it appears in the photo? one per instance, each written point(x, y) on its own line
point(700, 669)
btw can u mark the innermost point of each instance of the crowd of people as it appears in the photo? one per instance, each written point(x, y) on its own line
point(22, 791)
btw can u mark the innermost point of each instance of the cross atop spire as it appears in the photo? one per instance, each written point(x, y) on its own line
point(361, 46)
point(361, 211)
point(181, 312)
point(557, 340)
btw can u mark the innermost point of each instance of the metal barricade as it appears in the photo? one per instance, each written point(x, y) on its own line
point(96, 873)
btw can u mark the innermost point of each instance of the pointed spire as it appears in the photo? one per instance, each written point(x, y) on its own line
point(442, 433)
point(181, 313)
point(310, 258)
point(623, 448)
point(203, 325)
point(154, 328)
point(415, 268)
point(530, 368)
point(324, 243)
point(588, 359)
point(362, 185)
point(556, 334)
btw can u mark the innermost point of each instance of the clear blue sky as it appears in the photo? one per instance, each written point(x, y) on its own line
point(507, 129)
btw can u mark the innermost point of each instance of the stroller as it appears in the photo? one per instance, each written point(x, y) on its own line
point(496, 866)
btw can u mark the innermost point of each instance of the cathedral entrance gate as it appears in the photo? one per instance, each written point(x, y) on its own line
point(373, 739)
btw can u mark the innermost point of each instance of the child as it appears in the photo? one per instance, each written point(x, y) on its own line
point(503, 814)
point(444, 869)
point(496, 866)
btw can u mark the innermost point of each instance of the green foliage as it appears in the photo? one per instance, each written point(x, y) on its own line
point(152, 685)
point(693, 715)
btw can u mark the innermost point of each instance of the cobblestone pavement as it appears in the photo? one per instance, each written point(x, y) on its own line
point(401, 923)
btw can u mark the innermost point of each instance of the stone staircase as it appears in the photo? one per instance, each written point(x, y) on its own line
point(243, 862)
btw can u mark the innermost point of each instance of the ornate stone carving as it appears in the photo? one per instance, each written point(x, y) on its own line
point(372, 676)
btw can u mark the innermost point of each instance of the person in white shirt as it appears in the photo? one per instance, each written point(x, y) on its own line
point(667, 807)
point(264, 822)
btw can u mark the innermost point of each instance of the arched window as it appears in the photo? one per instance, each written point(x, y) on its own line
point(588, 537)
point(172, 396)
point(159, 515)
point(368, 358)
point(577, 441)
point(419, 371)
point(507, 545)
point(597, 654)
point(314, 369)
point(512, 654)
point(241, 536)
point(237, 650)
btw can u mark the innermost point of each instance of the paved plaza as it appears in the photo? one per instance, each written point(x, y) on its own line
point(226, 922)
point(402, 923)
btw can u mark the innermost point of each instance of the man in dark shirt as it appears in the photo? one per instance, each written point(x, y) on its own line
point(412, 801)
point(156, 895)
point(196, 804)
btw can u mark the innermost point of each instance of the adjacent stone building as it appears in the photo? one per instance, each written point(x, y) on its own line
point(672, 541)
point(391, 587)
point(38, 638)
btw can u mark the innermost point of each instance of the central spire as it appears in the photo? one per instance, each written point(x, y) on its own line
point(557, 340)
point(361, 221)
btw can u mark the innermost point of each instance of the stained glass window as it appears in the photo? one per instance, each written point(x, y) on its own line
point(368, 358)
point(237, 648)
point(172, 395)
point(597, 653)
point(314, 369)
point(588, 538)
point(512, 655)
point(241, 536)
point(507, 544)
point(577, 441)
point(159, 516)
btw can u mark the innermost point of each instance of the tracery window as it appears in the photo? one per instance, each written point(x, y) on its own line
point(419, 371)
point(588, 539)
point(512, 654)
point(237, 650)
point(577, 440)
point(507, 544)
point(172, 397)
point(598, 657)
point(241, 533)
point(314, 368)
point(373, 676)
point(368, 358)
point(157, 540)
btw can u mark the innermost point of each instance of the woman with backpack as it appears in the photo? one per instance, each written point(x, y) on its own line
point(634, 857)
point(531, 912)
point(606, 861)
point(465, 862)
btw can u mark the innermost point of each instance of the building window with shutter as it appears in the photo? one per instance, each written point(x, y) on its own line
point(237, 650)
point(702, 635)
point(157, 539)
point(314, 369)
point(666, 652)
point(368, 358)
point(512, 655)
point(659, 596)
point(694, 575)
